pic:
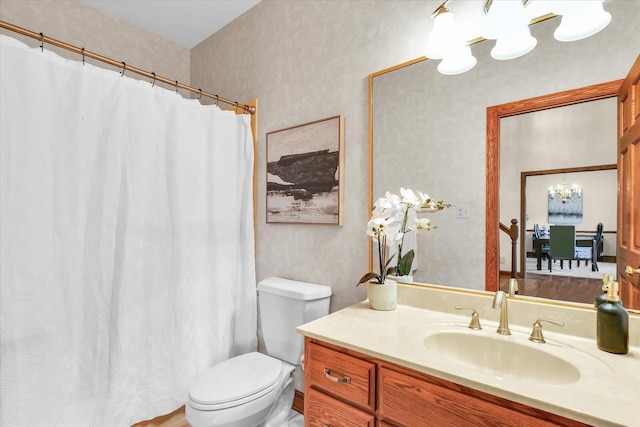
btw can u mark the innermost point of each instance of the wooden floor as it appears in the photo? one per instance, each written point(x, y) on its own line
point(174, 419)
point(575, 289)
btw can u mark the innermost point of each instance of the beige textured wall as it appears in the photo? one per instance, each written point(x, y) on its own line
point(73, 22)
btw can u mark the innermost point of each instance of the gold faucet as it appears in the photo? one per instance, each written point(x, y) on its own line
point(500, 302)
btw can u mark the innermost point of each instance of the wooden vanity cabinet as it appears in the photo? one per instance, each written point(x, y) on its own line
point(346, 388)
point(322, 410)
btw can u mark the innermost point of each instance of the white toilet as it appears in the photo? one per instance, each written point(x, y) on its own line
point(255, 389)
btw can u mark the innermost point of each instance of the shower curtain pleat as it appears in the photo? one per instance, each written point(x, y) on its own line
point(126, 242)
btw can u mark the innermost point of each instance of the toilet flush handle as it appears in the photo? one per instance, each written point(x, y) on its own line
point(344, 379)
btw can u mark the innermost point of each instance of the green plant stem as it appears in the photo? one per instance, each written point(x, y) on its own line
point(404, 226)
point(382, 246)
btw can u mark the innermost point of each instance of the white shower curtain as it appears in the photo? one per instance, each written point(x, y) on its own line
point(127, 252)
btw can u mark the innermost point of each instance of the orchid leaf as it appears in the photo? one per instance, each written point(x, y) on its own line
point(404, 266)
point(368, 277)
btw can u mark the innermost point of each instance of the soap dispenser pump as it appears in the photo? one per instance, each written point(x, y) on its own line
point(612, 332)
point(602, 298)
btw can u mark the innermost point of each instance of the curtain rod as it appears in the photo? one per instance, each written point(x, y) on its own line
point(125, 67)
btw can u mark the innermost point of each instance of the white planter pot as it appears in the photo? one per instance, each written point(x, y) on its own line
point(383, 297)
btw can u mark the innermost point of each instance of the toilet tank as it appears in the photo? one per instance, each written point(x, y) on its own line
point(284, 305)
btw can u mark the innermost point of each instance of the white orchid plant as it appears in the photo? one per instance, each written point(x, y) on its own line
point(393, 216)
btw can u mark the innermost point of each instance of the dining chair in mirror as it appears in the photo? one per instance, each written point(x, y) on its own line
point(584, 253)
point(538, 234)
point(562, 244)
point(596, 247)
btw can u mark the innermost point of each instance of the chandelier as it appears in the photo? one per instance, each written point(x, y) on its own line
point(565, 193)
point(507, 22)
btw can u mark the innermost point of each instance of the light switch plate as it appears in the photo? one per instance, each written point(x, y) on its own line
point(463, 211)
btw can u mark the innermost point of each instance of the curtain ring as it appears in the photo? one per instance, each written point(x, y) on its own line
point(176, 86)
point(200, 96)
point(41, 42)
point(154, 79)
point(124, 67)
point(217, 100)
point(236, 107)
point(82, 56)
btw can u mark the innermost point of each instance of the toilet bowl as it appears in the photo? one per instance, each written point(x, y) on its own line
point(249, 390)
point(256, 389)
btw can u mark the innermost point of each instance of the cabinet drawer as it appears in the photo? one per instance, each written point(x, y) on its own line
point(412, 402)
point(321, 410)
point(342, 375)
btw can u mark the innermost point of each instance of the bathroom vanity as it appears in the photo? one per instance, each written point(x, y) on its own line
point(420, 365)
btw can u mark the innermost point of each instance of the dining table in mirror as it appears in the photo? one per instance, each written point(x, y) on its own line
point(443, 135)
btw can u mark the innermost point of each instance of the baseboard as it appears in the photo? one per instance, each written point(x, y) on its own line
point(508, 273)
point(298, 402)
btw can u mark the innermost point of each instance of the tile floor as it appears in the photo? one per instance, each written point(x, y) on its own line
point(295, 420)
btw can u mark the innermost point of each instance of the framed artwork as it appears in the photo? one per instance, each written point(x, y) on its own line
point(305, 173)
point(568, 212)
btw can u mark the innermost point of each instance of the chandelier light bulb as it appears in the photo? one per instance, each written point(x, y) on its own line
point(580, 19)
point(441, 36)
point(519, 43)
point(507, 22)
point(457, 62)
point(446, 43)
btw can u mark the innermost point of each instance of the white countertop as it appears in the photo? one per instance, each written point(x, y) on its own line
point(606, 394)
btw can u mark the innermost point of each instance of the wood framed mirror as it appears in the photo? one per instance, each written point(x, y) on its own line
point(428, 132)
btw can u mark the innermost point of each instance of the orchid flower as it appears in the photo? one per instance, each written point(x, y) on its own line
point(392, 217)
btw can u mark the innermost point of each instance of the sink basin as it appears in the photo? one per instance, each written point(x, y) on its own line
point(502, 357)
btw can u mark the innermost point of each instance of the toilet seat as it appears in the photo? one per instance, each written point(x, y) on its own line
point(236, 381)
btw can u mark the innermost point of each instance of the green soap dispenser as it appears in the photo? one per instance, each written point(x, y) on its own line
point(612, 333)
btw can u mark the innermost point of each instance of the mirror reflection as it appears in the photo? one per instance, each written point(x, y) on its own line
point(558, 168)
point(429, 133)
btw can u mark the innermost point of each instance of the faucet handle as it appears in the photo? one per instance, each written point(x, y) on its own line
point(536, 333)
point(475, 318)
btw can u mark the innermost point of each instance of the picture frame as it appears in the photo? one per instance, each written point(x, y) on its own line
point(305, 173)
point(568, 212)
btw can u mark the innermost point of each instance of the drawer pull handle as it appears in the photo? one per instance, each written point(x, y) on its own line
point(344, 379)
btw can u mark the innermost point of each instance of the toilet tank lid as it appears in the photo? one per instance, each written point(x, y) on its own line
point(294, 289)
